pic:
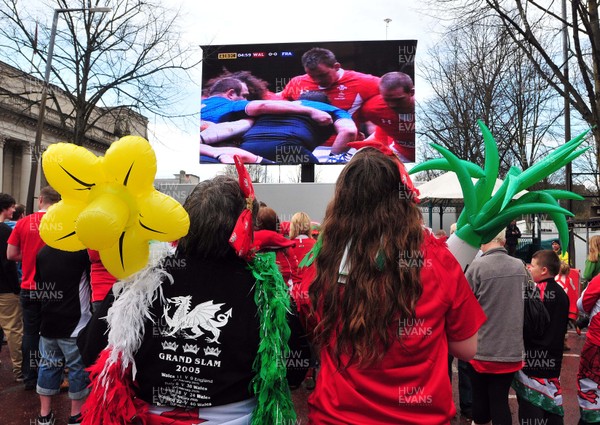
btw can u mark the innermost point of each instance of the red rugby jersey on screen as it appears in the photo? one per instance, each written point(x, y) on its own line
point(348, 93)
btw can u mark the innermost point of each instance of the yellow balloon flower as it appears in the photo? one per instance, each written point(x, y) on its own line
point(109, 204)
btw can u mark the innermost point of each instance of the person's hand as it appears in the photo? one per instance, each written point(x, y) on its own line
point(245, 156)
point(321, 118)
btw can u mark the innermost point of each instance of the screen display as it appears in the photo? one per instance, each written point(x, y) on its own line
point(314, 105)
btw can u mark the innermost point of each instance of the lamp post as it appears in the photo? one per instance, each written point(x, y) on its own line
point(387, 24)
point(567, 105)
point(37, 146)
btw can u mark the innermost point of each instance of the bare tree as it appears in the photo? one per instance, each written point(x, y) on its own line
point(132, 57)
point(540, 29)
point(476, 73)
point(258, 173)
point(296, 177)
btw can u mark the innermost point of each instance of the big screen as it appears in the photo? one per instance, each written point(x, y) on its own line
point(269, 71)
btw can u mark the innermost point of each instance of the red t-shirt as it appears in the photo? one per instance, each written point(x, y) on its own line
point(349, 92)
point(410, 385)
point(303, 245)
point(288, 265)
point(566, 282)
point(392, 127)
point(100, 279)
point(26, 236)
point(483, 366)
point(588, 302)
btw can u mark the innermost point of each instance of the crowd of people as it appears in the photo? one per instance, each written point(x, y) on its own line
point(530, 364)
point(46, 301)
point(227, 323)
point(312, 120)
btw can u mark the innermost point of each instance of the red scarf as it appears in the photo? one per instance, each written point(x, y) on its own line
point(242, 235)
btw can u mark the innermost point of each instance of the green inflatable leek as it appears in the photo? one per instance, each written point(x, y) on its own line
point(485, 215)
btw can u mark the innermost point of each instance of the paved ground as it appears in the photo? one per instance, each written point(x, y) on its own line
point(20, 407)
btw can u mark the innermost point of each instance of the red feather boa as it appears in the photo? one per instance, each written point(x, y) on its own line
point(110, 402)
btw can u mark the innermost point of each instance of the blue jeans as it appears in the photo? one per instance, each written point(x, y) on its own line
point(56, 354)
point(32, 319)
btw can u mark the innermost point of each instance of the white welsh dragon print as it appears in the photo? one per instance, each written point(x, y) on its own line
point(202, 317)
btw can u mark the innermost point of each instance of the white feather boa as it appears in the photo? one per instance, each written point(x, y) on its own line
point(133, 298)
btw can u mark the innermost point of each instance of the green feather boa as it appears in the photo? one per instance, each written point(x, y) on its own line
point(274, 403)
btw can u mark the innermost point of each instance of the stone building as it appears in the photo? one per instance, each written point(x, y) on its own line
point(20, 95)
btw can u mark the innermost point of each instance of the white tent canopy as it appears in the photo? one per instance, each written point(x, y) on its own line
point(447, 187)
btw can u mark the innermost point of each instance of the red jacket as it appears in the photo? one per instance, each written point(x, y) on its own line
point(268, 240)
point(588, 303)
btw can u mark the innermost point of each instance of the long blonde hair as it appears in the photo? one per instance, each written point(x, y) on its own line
point(299, 225)
point(594, 249)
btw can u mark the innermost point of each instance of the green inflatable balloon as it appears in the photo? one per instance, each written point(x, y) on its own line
point(485, 215)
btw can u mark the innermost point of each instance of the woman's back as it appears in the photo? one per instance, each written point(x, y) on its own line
point(386, 300)
point(409, 385)
point(200, 349)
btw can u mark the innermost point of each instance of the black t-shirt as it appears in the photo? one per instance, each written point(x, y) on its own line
point(63, 287)
point(200, 347)
point(9, 278)
point(543, 356)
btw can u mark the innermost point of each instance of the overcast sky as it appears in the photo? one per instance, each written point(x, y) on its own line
point(245, 22)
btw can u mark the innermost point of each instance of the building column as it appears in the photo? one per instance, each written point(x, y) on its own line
point(2, 142)
point(25, 173)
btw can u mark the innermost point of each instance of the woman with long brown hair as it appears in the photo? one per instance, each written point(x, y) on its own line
point(387, 301)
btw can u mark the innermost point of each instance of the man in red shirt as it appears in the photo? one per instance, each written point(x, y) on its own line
point(393, 112)
point(23, 245)
point(346, 89)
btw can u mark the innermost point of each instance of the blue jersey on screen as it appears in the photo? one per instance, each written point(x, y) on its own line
point(220, 109)
point(335, 112)
point(293, 128)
